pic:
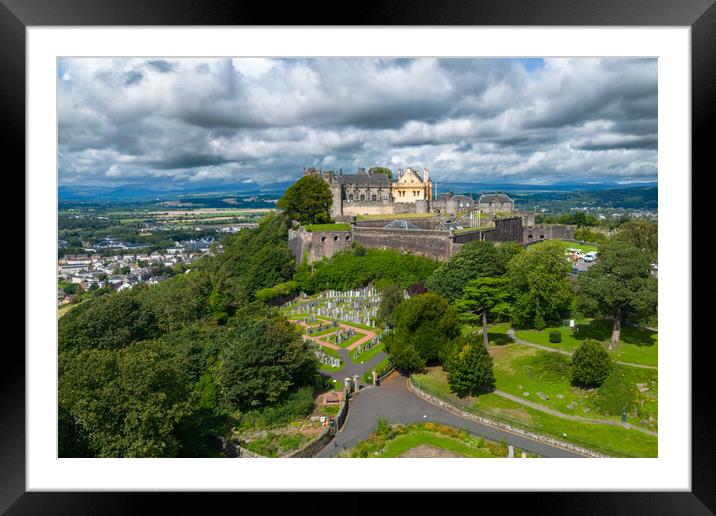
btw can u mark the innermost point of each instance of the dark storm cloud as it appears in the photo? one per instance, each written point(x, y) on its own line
point(191, 120)
point(636, 143)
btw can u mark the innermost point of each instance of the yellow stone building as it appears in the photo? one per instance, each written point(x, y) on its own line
point(410, 187)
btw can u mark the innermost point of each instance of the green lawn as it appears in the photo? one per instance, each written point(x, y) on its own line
point(573, 245)
point(362, 326)
point(402, 443)
point(367, 355)
point(346, 343)
point(327, 331)
point(637, 345)
point(608, 439)
point(399, 439)
point(396, 216)
point(496, 333)
point(379, 367)
point(328, 227)
point(517, 371)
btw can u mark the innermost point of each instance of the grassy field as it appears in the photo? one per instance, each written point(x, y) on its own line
point(518, 370)
point(379, 367)
point(574, 245)
point(66, 308)
point(367, 355)
point(361, 326)
point(396, 216)
point(328, 227)
point(396, 440)
point(496, 333)
point(638, 345)
point(348, 342)
point(610, 440)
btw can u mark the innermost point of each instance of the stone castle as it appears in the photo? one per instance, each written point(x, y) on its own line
point(451, 220)
point(373, 192)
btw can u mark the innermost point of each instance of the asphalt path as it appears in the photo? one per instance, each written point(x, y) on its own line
point(393, 401)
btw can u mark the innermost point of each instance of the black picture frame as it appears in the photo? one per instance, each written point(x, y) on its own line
point(17, 15)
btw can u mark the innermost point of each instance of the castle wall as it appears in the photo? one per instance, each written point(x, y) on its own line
point(420, 223)
point(433, 244)
point(547, 232)
point(384, 207)
point(314, 245)
point(506, 230)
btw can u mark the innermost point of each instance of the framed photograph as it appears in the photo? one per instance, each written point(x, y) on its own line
point(431, 233)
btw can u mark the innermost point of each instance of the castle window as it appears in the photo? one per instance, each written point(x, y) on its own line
point(374, 197)
point(323, 239)
point(362, 197)
point(335, 238)
point(350, 197)
point(348, 237)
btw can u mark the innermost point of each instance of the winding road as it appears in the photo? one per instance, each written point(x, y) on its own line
point(393, 401)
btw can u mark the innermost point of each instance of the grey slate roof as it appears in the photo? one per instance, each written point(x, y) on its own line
point(377, 180)
point(489, 198)
point(400, 224)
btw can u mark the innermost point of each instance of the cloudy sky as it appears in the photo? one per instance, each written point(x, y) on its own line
point(174, 122)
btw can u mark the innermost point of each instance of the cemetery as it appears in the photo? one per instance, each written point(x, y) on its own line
point(334, 321)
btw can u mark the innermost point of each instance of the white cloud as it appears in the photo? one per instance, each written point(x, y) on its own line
point(224, 119)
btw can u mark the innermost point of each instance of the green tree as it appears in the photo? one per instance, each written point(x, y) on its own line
point(641, 234)
point(110, 321)
point(618, 285)
point(475, 259)
point(265, 360)
point(381, 170)
point(481, 298)
point(469, 367)
point(404, 355)
point(428, 323)
point(392, 296)
point(125, 402)
point(308, 201)
point(591, 364)
point(538, 283)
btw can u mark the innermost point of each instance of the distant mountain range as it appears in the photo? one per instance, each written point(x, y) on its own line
point(143, 192)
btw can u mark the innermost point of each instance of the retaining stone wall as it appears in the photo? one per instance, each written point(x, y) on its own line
point(503, 426)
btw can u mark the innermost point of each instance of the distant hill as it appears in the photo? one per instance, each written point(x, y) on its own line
point(141, 192)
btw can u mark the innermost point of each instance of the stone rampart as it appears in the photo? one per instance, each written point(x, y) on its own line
point(314, 245)
point(433, 244)
point(547, 232)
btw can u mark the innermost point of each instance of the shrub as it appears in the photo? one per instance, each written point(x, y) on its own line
point(384, 429)
point(550, 366)
point(616, 395)
point(469, 367)
point(591, 364)
point(555, 336)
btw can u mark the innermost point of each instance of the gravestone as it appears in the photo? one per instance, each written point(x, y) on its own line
point(510, 452)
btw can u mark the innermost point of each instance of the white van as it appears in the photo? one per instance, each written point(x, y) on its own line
point(590, 256)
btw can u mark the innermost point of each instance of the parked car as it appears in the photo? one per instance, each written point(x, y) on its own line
point(590, 256)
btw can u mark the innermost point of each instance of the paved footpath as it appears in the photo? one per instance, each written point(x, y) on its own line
point(393, 401)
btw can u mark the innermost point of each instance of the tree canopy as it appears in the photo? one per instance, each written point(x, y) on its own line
point(539, 285)
point(264, 361)
point(475, 259)
point(641, 234)
point(469, 367)
point(591, 364)
point(427, 323)
point(483, 298)
point(618, 285)
point(308, 201)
